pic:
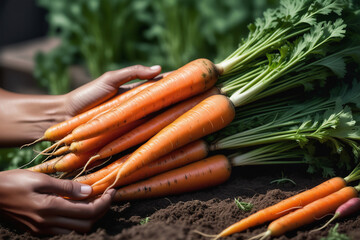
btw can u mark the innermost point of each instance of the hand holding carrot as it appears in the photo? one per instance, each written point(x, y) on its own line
point(32, 200)
point(25, 118)
point(106, 86)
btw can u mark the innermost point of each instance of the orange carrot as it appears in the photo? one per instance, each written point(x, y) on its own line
point(192, 152)
point(284, 207)
point(310, 212)
point(199, 175)
point(66, 163)
point(101, 140)
point(62, 150)
point(189, 80)
point(91, 178)
point(60, 130)
point(151, 127)
point(210, 115)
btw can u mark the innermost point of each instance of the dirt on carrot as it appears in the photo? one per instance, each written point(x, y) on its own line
point(178, 216)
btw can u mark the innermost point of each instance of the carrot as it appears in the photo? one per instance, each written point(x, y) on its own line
point(101, 140)
point(204, 173)
point(151, 127)
point(60, 130)
point(310, 212)
point(210, 115)
point(189, 153)
point(189, 80)
point(100, 174)
point(349, 207)
point(66, 163)
point(285, 206)
point(62, 150)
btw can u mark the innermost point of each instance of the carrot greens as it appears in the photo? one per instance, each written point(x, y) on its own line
point(294, 130)
point(289, 20)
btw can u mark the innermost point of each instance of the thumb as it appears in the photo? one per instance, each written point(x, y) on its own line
point(66, 188)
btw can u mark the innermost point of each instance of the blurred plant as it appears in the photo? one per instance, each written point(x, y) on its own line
point(12, 158)
point(144, 220)
point(51, 69)
point(109, 34)
point(103, 33)
point(180, 31)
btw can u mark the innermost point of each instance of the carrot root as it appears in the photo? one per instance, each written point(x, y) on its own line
point(32, 143)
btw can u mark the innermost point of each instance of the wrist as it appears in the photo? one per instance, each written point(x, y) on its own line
point(24, 118)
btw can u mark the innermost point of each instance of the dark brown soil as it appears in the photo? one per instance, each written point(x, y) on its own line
point(208, 211)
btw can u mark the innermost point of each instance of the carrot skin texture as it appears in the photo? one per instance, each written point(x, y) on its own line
point(284, 206)
point(101, 140)
point(151, 127)
point(66, 163)
point(205, 173)
point(189, 80)
point(60, 130)
point(311, 211)
point(192, 152)
point(210, 115)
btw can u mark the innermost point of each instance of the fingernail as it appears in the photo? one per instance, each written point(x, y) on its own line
point(85, 190)
point(155, 67)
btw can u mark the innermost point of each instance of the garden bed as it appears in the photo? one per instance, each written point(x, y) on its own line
point(209, 211)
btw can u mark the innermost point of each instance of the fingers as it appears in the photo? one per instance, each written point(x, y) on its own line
point(79, 209)
point(57, 215)
point(50, 225)
point(65, 188)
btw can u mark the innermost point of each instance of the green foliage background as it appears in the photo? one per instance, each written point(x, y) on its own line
point(110, 34)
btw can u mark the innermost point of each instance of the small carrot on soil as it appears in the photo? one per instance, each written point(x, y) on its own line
point(310, 212)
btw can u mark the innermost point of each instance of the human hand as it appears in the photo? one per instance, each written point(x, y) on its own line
point(106, 86)
point(25, 118)
point(33, 201)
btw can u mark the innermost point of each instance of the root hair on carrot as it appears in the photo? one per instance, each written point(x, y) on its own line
point(212, 236)
point(32, 143)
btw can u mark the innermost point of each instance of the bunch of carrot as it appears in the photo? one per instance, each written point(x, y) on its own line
point(157, 128)
point(156, 131)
